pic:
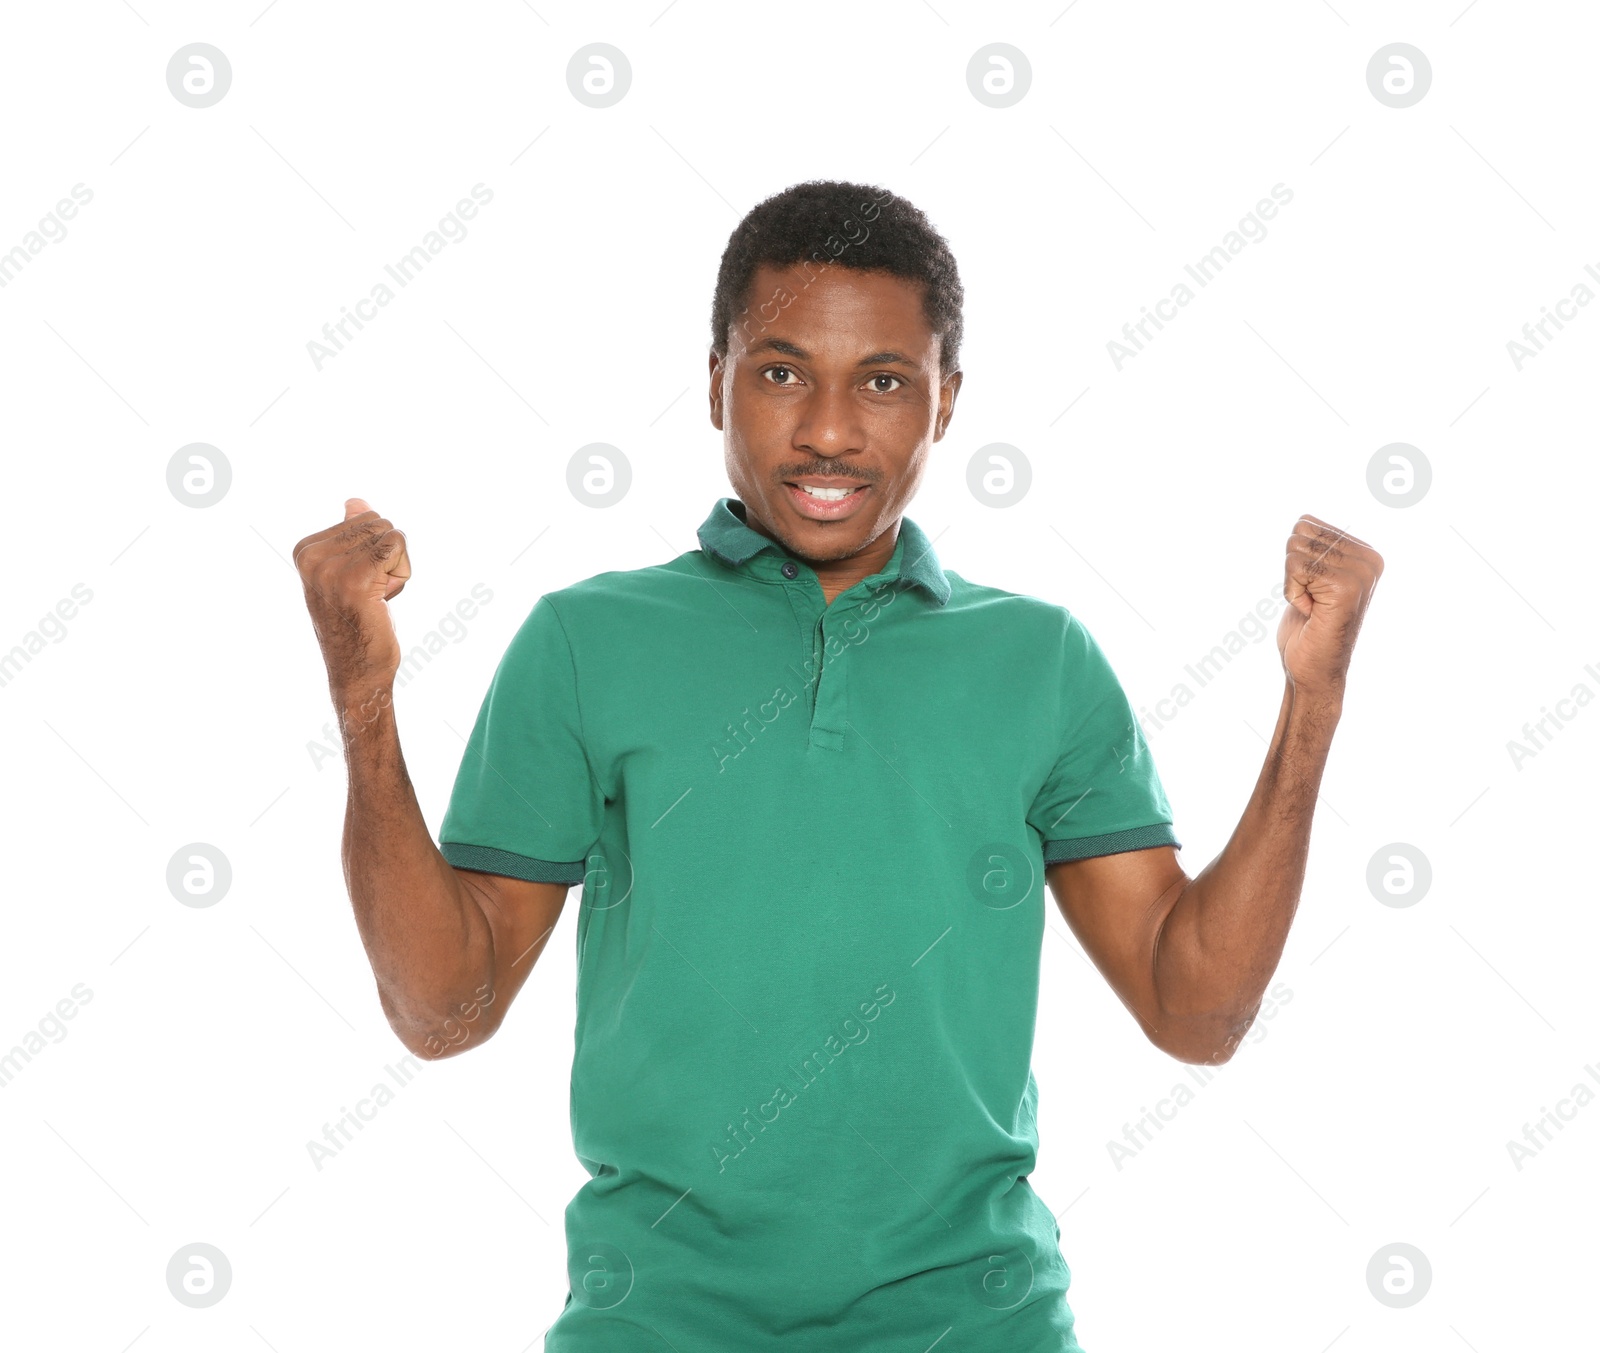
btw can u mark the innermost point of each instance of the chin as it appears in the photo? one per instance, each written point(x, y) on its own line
point(826, 541)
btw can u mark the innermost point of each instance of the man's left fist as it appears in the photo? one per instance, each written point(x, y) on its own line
point(1328, 579)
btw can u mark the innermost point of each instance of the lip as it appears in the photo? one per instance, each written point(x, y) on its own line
point(818, 510)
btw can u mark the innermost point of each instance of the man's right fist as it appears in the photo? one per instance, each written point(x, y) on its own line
point(350, 572)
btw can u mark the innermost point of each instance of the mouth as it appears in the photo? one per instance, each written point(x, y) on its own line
point(826, 499)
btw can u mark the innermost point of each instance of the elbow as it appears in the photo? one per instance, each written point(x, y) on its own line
point(431, 1037)
point(1195, 1052)
point(1200, 1054)
point(1209, 1041)
point(423, 1047)
point(415, 1040)
point(438, 1040)
point(433, 1047)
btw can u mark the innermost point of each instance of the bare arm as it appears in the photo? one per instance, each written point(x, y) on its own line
point(1191, 958)
point(449, 948)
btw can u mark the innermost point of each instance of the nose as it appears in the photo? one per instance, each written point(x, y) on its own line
point(829, 424)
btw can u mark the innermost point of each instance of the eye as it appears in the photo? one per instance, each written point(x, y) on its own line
point(886, 376)
point(769, 370)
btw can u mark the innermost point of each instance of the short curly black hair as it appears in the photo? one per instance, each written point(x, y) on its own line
point(852, 225)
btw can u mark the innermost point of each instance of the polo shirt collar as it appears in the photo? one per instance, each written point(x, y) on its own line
point(725, 534)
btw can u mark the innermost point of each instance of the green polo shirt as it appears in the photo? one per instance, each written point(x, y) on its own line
point(812, 841)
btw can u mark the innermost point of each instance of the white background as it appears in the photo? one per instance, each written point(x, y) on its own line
point(1374, 1107)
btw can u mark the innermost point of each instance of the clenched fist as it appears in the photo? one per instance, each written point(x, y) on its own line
point(350, 572)
point(1328, 579)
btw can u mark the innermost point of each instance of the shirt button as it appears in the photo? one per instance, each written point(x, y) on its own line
point(790, 569)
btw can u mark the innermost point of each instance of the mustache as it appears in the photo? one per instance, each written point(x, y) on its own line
point(826, 472)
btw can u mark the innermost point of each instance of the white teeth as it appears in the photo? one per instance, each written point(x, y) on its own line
point(828, 495)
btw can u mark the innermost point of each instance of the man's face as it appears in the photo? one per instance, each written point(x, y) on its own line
point(832, 381)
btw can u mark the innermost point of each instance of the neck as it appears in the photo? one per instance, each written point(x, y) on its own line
point(840, 575)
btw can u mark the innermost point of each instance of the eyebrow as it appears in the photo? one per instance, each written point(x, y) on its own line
point(887, 357)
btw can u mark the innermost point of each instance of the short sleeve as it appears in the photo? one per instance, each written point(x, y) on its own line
point(525, 803)
point(1102, 795)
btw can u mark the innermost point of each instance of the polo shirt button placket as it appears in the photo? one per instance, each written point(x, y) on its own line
point(828, 715)
point(828, 706)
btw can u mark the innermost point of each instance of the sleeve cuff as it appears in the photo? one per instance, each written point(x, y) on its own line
point(1111, 843)
point(489, 860)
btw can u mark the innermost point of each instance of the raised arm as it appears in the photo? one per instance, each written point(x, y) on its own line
point(1191, 957)
point(449, 948)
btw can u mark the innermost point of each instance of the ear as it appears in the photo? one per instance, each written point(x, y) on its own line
point(716, 390)
point(949, 388)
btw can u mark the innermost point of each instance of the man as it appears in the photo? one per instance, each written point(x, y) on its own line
point(812, 784)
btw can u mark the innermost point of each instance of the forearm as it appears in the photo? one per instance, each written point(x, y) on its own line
point(426, 937)
point(1221, 940)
